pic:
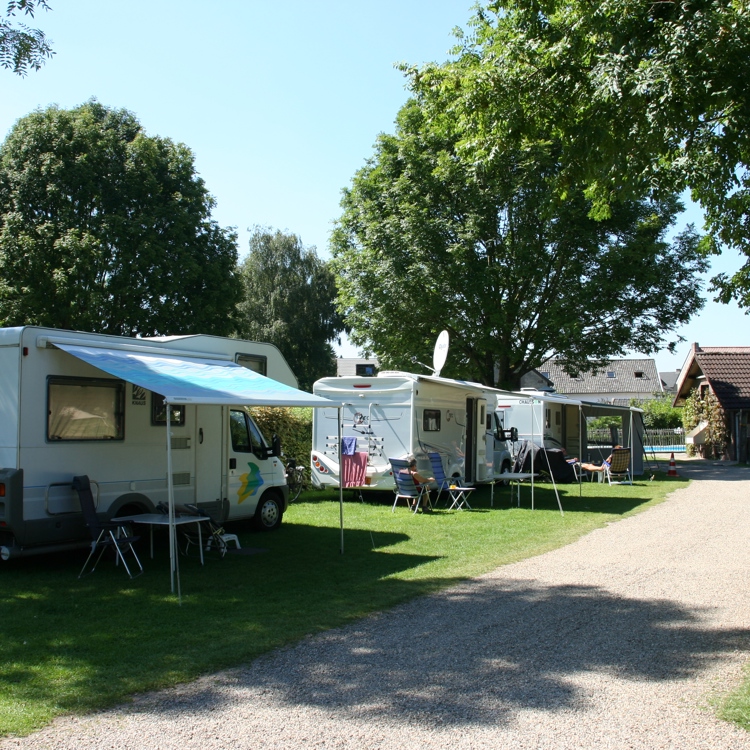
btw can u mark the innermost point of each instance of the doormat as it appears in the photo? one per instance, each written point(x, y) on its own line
point(246, 551)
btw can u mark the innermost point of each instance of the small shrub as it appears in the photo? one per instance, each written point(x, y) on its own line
point(658, 413)
point(293, 425)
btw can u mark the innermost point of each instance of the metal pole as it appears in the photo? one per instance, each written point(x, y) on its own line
point(532, 454)
point(580, 449)
point(174, 570)
point(341, 481)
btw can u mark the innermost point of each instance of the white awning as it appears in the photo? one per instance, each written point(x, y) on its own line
point(184, 380)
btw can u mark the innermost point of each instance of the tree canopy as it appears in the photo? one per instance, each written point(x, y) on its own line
point(289, 300)
point(104, 228)
point(439, 232)
point(23, 48)
point(639, 95)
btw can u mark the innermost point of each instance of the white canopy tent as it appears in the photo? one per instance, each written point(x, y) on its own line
point(183, 379)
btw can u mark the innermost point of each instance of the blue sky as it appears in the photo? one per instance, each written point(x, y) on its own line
point(280, 102)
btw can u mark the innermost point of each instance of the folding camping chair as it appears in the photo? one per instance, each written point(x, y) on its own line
point(619, 466)
point(104, 534)
point(406, 487)
point(443, 482)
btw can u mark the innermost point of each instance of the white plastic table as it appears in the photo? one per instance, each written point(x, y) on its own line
point(511, 477)
point(162, 519)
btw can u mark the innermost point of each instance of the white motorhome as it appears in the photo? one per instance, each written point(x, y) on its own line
point(399, 413)
point(61, 416)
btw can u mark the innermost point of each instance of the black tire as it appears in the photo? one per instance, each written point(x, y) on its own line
point(269, 512)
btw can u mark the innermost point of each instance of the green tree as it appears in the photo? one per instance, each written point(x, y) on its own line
point(104, 228)
point(289, 300)
point(21, 47)
point(641, 95)
point(658, 413)
point(436, 234)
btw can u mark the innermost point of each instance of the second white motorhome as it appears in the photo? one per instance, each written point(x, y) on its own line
point(397, 414)
point(63, 413)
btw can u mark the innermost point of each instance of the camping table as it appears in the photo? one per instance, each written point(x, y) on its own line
point(162, 519)
point(511, 477)
point(459, 496)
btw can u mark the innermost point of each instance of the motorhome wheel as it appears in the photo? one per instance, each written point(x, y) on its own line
point(268, 513)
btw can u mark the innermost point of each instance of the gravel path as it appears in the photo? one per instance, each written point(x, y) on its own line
point(616, 641)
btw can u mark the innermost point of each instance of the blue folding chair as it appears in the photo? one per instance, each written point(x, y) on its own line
point(406, 487)
point(457, 492)
point(439, 473)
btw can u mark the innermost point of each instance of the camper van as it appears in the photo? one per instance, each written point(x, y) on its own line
point(62, 416)
point(396, 414)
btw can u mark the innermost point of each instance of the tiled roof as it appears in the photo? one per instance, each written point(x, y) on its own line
point(623, 377)
point(669, 379)
point(727, 369)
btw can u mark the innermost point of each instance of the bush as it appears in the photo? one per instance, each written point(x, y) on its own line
point(659, 414)
point(293, 425)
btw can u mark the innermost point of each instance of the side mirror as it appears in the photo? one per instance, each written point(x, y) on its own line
point(511, 434)
point(276, 446)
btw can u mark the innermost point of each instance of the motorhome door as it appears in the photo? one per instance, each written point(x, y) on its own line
point(476, 450)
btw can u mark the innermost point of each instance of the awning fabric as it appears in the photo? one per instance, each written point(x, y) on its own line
point(185, 380)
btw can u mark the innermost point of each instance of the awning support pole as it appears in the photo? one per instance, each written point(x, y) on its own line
point(341, 481)
point(174, 569)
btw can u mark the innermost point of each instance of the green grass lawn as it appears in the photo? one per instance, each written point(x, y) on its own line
point(71, 646)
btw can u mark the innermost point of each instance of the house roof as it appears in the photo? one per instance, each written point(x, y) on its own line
point(727, 370)
point(617, 376)
point(669, 379)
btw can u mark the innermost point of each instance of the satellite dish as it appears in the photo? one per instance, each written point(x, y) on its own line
point(441, 352)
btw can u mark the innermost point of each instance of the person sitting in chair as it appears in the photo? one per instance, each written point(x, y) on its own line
point(607, 461)
point(419, 480)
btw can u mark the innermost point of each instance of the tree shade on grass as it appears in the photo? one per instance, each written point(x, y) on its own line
point(69, 644)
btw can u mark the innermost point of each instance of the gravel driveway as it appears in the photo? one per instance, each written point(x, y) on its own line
point(616, 641)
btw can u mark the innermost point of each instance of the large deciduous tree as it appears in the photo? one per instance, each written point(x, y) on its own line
point(437, 233)
point(22, 48)
point(640, 95)
point(289, 299)
point(104, 228)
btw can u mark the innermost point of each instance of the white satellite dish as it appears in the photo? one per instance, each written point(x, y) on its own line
point(441, 352)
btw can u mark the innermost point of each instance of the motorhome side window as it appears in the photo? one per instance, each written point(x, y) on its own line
point(159, 412)
point(256, 363)
point(245, 434)
point(85, 409)
point(431, 420)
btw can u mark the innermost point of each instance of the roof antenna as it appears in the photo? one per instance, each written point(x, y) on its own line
point(441, 353)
